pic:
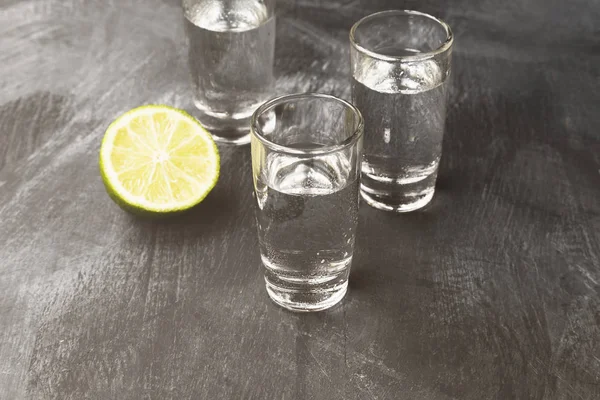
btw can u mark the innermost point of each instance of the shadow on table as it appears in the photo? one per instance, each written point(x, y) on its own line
point(229, 203)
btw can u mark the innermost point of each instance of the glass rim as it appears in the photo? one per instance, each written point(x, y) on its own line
point(270, 104)
point(443, 47)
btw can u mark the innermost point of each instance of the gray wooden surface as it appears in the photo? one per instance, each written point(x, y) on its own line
point(491, 293)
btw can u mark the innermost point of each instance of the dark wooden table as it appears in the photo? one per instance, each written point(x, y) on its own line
point(493, 292)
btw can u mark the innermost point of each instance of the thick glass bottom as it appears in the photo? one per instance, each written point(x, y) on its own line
point(306, 299)
point(399, 198)
point(225, 128)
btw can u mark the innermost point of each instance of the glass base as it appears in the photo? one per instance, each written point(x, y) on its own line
point(306, 300)
point(227, 136)
point(402, 194)
point(397, 202)
point(226, 129)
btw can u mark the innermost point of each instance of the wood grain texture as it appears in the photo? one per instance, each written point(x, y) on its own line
point(492, 292)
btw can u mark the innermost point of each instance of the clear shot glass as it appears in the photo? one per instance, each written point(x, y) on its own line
point(400, 63)
point(231, 47)
point(306, 155)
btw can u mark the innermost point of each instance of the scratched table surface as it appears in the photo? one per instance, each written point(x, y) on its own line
point(492, 292)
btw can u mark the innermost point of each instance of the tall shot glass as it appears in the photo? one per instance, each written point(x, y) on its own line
point(306, 154)
point(400, 63)
point(231, 50)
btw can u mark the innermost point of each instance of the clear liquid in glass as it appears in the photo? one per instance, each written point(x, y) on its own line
point(404, 108)
point(307, 225)
point(231, 62)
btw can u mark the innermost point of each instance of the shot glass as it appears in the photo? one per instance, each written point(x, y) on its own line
point(231, 47)
point(400, 63)
point(306, 154)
